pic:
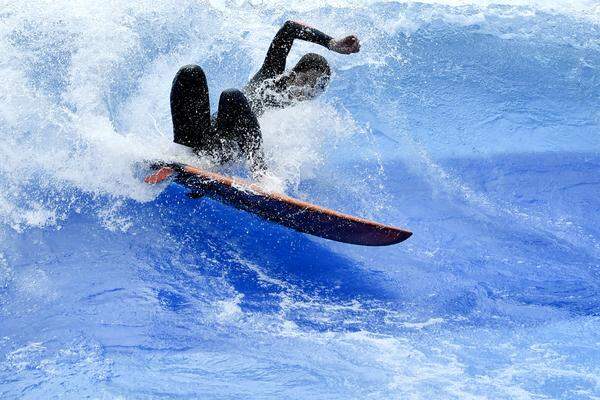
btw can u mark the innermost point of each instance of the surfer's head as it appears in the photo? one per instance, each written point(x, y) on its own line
point(309, 77)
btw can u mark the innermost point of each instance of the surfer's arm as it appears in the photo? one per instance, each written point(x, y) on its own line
point(281, 45)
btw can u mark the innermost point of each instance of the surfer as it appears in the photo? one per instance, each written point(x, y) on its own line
point(235, 128)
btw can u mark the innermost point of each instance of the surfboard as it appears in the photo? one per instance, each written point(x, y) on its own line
point(276, 207)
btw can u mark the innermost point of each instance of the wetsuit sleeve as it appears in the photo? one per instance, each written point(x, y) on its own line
point(274, 63)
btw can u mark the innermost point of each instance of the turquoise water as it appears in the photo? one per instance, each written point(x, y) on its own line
point(477, 126)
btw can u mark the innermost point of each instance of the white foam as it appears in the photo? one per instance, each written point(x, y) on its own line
point(6, 272)
point(230, 309)
point(86, 88)
point(35, 283)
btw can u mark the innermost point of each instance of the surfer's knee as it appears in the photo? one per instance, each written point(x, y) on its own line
point(190, 74)
point(233, 99)
point(190, 111)
point(237, 121)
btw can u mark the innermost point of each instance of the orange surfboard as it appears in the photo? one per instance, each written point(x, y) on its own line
point(279, 208)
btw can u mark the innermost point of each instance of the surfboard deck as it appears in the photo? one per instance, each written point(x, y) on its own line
point(276, 207)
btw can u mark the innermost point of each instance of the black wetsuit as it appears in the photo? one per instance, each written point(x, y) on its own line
point(235, 128)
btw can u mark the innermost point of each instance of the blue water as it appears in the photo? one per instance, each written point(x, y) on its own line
point(475, 126)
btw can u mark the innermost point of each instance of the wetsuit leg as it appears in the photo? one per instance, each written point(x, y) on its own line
point(237, 123)
point(190, 108)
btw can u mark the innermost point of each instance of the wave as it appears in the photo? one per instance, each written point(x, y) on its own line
point(475, 124)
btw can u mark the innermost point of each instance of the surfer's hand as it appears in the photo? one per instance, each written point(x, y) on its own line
point(347, 45)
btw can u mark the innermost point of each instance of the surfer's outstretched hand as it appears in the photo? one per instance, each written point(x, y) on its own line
point(347, 45)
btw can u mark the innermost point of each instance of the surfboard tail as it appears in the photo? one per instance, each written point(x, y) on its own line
point(159, 176)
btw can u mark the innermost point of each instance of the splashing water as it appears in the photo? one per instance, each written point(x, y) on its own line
point(477, 126)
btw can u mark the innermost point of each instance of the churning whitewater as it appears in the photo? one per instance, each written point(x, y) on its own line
point(476, 126)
